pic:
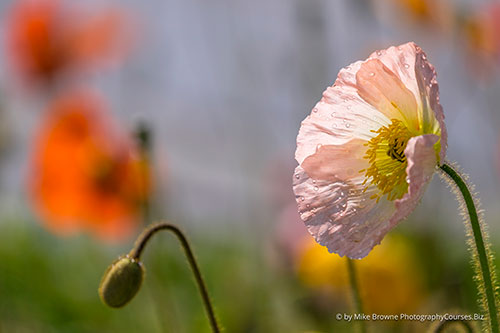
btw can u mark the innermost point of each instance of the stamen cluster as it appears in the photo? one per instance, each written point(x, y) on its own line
point(387, 160)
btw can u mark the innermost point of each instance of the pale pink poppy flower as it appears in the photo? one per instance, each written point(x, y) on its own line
point(368, 150)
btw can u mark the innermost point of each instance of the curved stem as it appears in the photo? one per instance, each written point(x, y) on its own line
point(353, 280)
point(446, 323)
point(139, 248)
point(480, 244)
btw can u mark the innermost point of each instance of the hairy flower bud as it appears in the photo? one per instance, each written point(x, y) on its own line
point(121, 282)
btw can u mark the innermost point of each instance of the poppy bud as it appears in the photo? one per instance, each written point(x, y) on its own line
point(121, 282)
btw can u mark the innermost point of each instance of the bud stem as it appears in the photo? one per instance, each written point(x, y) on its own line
point(139, 248)
point(442, 327)
point(485, 276)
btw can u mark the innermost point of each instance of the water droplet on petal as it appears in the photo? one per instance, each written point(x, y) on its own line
point(347, 125)
point(372, 74)
point(349, 107)
point(316, 188)
point(356, 236)
point(407, 66)
point(315, 110)
point(333, 114)
point(314, 181)
point(302, 198)
point(318, 146)
point(379, 53)
point(308, 205)
point(297, 176)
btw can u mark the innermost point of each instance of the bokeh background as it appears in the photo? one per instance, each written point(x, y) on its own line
point(192, 108)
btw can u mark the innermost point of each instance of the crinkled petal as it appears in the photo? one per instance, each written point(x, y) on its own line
point(410, 64)
point(340, 116)
point(422, 163)
point(383, 89)
point(337, 161)
point(340, 215)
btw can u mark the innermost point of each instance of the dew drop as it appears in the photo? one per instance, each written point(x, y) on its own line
point(315, 110)
point(349, 107)
point(407, 66)
point(356, 236)
point(314, 181)
point(297, 176)
point(347, 125)
point(318, 146)
point(332, 115)
point(302, 198)
point(424, 56)
point(379, 53)
point(372, 74)
point(316, 188)
point(334, 125)
point(308, 205)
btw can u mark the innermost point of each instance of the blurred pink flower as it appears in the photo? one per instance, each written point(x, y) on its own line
point(368, 149)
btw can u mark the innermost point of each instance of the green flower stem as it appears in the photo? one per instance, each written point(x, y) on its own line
point(141, 243)
point(353, 279)
point(443, 326)
point(482, 254)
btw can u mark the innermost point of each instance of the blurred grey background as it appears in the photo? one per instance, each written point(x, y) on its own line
point(225, 84)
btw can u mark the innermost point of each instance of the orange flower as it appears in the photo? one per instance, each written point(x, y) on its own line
point(85, 174)
point(50, 37)
point(482, 31)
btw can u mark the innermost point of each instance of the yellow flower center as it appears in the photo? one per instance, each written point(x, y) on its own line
point(387, 160)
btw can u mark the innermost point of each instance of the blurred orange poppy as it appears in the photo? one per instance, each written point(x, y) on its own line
point(84, 173)
point(482, 32)
point(438, 15)
point(51, 37)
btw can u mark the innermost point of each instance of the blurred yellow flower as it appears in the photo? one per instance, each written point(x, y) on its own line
point(389, 277)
